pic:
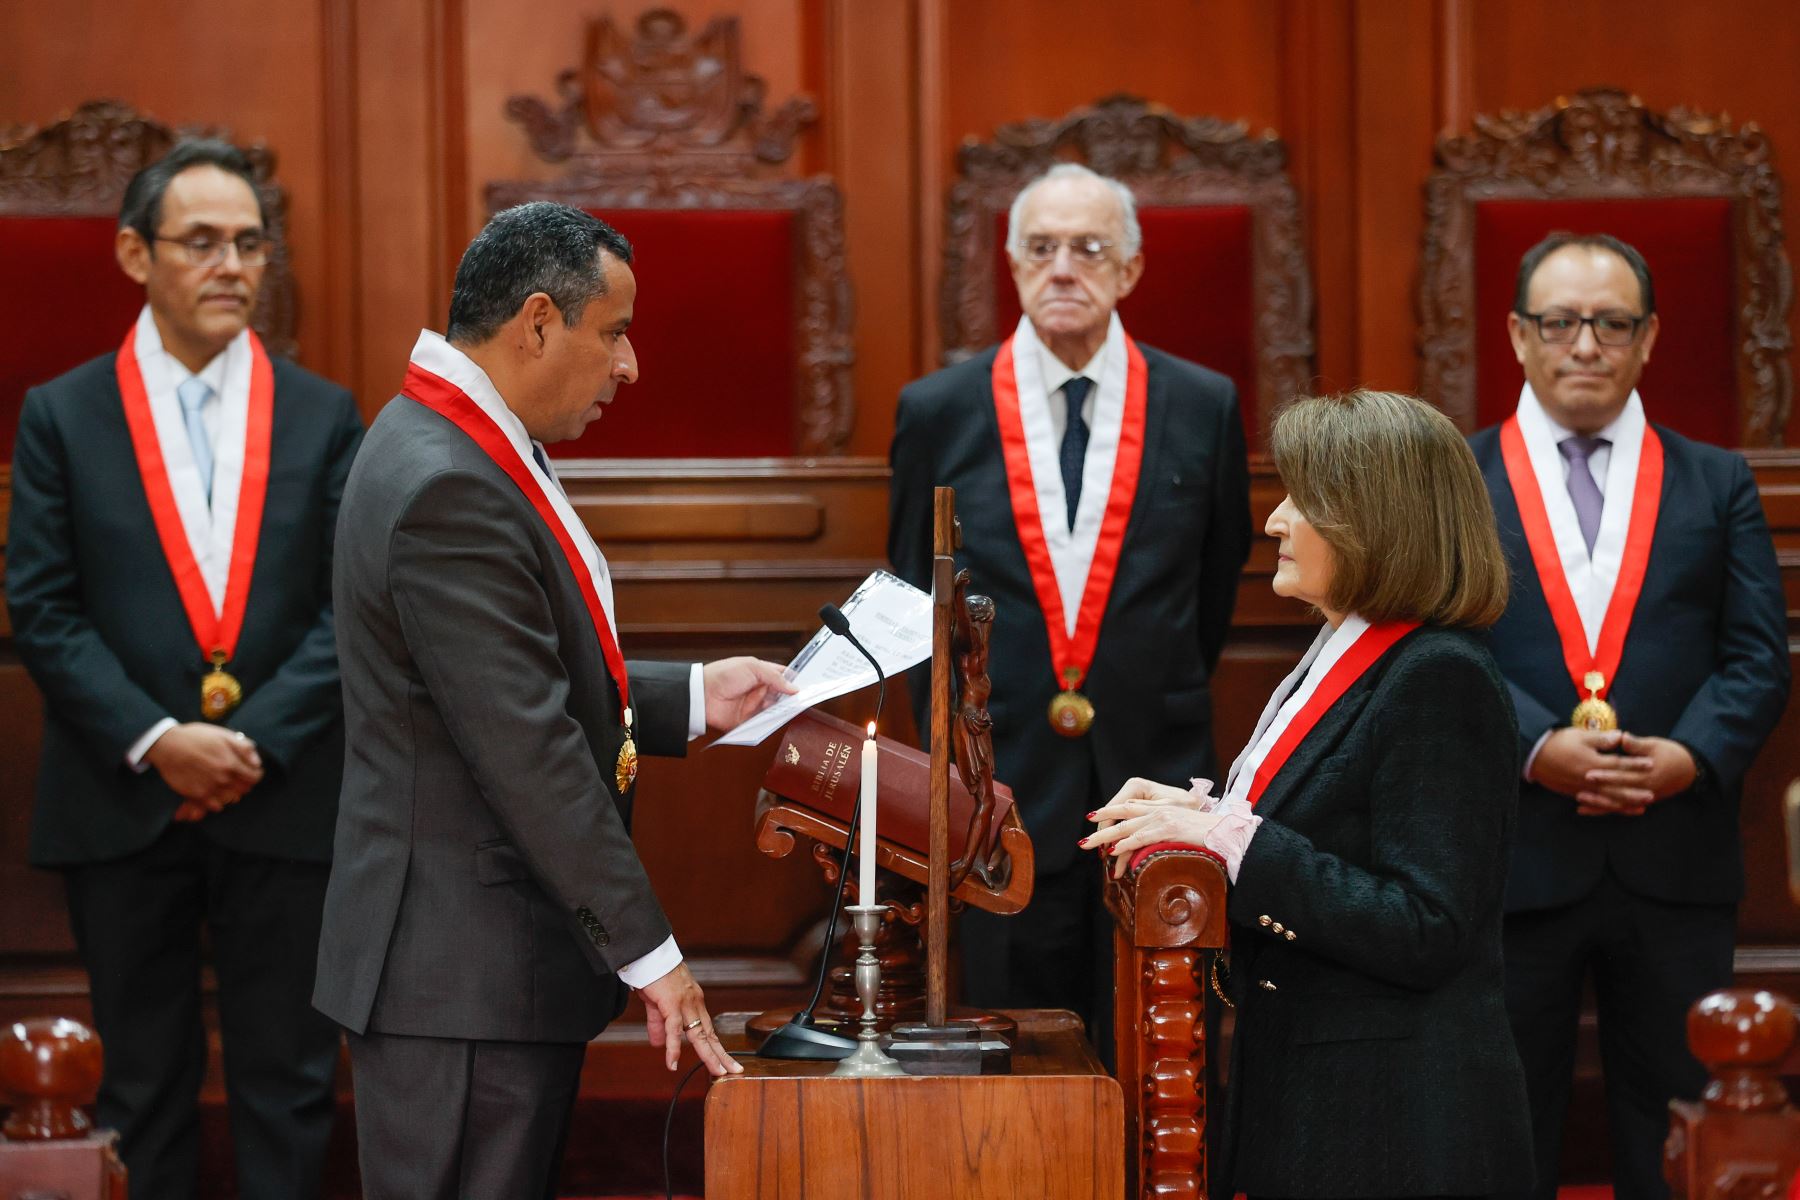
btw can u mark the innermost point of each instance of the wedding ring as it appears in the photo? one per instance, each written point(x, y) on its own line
point(691, 1025)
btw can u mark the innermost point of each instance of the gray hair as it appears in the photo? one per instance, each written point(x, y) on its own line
point(1134, 236)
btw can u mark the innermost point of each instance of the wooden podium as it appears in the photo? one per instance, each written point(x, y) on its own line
point(1054, 1128)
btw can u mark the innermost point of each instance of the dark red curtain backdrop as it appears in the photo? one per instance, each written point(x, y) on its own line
point(1195, 298)
point(714, 331)
point(1691, 382)
point(63, 300)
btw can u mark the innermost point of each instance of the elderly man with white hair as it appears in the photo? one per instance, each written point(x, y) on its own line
point(1104, 500)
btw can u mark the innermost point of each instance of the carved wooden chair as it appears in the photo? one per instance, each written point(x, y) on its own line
point(63, 299)
point(742, 323)
point(1226, 282)
point(1742, 1138)
point(1699, 198)
point(1168, 923)
point(48, 1146)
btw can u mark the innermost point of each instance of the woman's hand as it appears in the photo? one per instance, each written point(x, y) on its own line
point(1145, 813)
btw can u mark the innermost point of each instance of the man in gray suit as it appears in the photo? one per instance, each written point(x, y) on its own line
point(487, 912)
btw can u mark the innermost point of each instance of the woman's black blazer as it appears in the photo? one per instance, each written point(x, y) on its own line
point(1372, 1055)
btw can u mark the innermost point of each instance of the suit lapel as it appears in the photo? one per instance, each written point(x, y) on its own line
point(1323, 739)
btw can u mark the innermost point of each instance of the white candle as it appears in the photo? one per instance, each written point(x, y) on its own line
point(865, 884)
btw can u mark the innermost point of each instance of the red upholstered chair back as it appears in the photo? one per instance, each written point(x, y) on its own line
point(1698, 199)
point(1197, 295)
point(713, 327)
point(742, 318)
point(1225, 281)
point(63, 299)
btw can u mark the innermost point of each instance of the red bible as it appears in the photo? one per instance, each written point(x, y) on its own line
point(818, 763)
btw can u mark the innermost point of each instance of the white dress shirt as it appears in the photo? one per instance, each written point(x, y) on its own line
point(209, 526)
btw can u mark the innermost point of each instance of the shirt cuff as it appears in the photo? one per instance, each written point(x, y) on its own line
point(642, 972)
point(134, 757)
point(696, 701)
point(1230, 838)
point(1531, 759)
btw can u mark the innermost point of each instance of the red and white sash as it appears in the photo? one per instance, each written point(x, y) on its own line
point(1072, 641)
point(1332, 664)
point(1592, 614)
point(480, 413)
point(217, 620)
point(1337, 660)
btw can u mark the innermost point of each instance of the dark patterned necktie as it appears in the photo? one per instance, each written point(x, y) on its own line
point(1075, 442)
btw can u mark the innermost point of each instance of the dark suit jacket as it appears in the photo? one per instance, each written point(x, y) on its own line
point(1706, 663)
point(1372, 1054)
point(485, 886)
point(100, 625)
point(1171, 601)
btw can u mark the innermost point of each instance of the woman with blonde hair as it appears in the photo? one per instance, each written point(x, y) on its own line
point(1366, 829)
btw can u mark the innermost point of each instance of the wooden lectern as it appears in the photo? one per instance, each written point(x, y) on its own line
point(1053, 1127)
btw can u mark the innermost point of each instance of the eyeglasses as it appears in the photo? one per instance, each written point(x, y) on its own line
point(1559, 327)
point(201, 251)
point(1088, 250)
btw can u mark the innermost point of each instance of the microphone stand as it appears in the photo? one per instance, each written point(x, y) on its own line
point(801, 1038)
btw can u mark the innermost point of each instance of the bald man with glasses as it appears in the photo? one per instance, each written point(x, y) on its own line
point(1645, 644)
point(169, 579)
point(1104, 500)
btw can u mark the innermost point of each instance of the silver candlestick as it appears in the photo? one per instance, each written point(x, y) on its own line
point(867, 1060)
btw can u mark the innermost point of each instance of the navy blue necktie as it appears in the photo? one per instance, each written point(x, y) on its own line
point(537, 452)
point(1074, 443)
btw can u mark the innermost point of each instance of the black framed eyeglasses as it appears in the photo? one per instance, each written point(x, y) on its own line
point(1087, 250)
point(1560, 327)
point(253, 247)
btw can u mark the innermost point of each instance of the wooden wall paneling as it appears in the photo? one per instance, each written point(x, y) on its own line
point(1318, 124)
point(869, 128)
point(1395, 116)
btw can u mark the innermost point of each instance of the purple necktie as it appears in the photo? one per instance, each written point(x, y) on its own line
point(1582, 488)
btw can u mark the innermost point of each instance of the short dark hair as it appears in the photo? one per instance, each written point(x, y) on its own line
point(142, 207)
point(1562, 239)
point(535, 247)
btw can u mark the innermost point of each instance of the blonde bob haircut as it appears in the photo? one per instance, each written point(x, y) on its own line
point(1389, 484)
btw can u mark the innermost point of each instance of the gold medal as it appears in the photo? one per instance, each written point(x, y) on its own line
point(220, 692)
point(625, 770)
point(1594, 714)
point(1071, 713)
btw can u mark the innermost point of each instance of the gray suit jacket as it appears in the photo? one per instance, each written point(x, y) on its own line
point(484, 886)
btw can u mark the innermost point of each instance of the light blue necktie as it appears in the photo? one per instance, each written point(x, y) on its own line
point(193, 394)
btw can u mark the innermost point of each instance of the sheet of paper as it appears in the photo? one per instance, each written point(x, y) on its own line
point(889, 616)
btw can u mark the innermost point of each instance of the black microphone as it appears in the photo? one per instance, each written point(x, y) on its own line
point(800, 1038)
point(838, 623)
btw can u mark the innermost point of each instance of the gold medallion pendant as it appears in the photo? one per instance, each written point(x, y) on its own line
point(220, 692)
point(626, 769)
point(1594, 714)
point(1071, 713)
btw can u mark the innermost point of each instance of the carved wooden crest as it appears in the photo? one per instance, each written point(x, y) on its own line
point(1605, 144)
point(662, 94)
point(79, 166)
point(671, 120)
point(1168, 161)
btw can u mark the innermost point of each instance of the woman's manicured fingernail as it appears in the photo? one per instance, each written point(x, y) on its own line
point(1090, 816)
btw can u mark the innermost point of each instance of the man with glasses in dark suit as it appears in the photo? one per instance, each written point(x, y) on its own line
point(1645, 644)
point(1104, 500)
point(169, 579)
